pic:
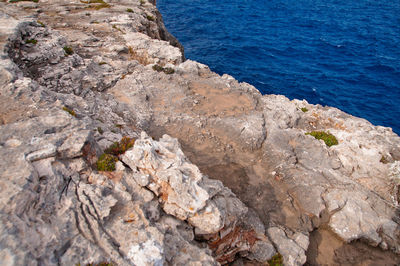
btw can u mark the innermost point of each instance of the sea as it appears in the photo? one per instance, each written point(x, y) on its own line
point(338, 53)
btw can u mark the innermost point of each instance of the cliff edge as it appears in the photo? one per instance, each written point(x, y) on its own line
point(115, 149)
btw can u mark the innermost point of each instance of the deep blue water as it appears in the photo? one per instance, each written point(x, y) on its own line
point(332, 52)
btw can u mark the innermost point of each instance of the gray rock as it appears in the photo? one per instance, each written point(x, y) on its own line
point(292, 253)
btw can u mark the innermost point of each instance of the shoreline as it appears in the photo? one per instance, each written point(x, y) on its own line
point(360, 99)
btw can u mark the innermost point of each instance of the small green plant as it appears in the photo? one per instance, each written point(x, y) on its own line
point(328, 138)
point(142, 2)
point(158, 68)
point(276, 260)
point(102, 63)
point(32, 41)
point(384, 160)
point(169, 70)
point(304, 109)
point(151, 18)
point(68, 50)
point(166, 70)
point(100, 130)
point(117, 28)
point(40, 23)
point(106, 162)
point(130, 10)
point(118, 148)
point(69, 110)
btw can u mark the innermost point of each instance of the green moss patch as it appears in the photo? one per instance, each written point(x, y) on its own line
point(328, 138)
point(68, 50)
point(69, 110)
point(151, 18)
point(40, 23)
point(32, 41)
point(118, 148)
point(166, 70)
point(276, 260)
point(106, 162)
point(304, 109)
point(129, 10)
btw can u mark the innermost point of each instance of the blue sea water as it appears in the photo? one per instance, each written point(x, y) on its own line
point(332, 52)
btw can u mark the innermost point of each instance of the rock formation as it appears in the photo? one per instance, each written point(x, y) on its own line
point(78, 76)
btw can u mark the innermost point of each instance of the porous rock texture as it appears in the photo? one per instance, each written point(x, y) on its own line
point(77, 76)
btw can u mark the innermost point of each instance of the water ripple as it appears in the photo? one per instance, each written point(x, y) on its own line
point(340, 53)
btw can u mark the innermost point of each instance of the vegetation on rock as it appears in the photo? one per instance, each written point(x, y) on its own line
point(106, 162)
point(166, 70)
point(169, 70)
point(384, 160)
point(276, 260)
point(151, 18)
point(304, 109)
point(130, 10)
point(32, 41)
point(118, 148)
point(68, 50)
point(328, 138)
point(40, 23)
point(70, 111)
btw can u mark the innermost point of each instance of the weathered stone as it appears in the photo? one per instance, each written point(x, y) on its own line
point(292, 253)
point(354, 217)
point(68, 213)
point(174, 179)
point(73, 145)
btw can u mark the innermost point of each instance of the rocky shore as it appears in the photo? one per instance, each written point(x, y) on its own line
point(116, 149)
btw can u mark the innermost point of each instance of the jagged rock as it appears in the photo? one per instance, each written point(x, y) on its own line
point(292, 252)
point(354, 217)
point(172, 177)
point(150, 51)
point(178, 184)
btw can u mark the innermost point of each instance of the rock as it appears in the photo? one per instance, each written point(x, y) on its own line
point(168, 173)
point(354, 216)
point(173, 178)
point(73, 145)
point(166, 202)
point(292, 253)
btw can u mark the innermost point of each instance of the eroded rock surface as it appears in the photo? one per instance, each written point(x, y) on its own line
point(76, 77)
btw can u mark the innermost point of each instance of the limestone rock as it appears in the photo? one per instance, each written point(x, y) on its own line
point(173, 178)
point(159, 202)
point(292, 252)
